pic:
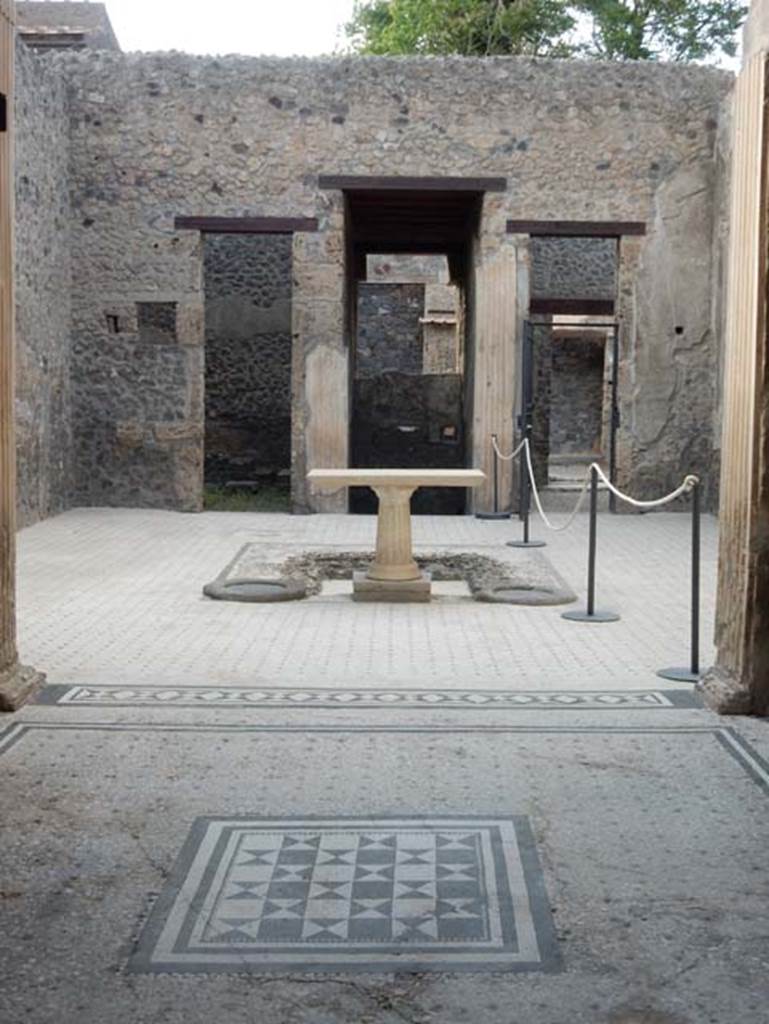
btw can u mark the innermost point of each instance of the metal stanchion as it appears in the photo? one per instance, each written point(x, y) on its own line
point(691, 674)
point(496, 514)
point(525, 508)
point(590, 614)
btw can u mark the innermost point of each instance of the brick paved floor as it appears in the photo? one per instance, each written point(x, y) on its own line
point(113, 596)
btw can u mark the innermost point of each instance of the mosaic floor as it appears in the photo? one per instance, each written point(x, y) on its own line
point(330, 814)
point(440, 863)
point(349, 697)
point(352, 894)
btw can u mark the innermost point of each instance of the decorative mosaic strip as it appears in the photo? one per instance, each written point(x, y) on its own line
point(747, 757)
point(252, 894)
point(278, 697)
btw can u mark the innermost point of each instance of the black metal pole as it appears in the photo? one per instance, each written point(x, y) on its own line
point(591, 615)
point(614, 416)
point(524, 508)
point(527, 404)
point(695, 580)
point(692, 673)
point(495, 514)
point(592, 541)
point(495, 474)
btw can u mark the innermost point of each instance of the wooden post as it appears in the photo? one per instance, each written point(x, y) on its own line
point(739, 681)
point(16, 681)
point(496, 329)
point(320, 371)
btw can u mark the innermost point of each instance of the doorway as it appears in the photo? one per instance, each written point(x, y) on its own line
point(408, 255)
point(247, 285)
point(571, 347)
point(408, 375)
point(570, 402)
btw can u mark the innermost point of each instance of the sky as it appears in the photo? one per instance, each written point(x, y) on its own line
point(254, 27)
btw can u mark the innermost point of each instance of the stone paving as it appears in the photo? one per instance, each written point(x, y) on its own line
point(322, 827)
point(114, 597)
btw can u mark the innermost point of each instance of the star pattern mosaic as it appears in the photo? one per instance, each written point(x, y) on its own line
point(398, 894)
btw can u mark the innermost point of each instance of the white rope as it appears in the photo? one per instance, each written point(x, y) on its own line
point(538, 503)
point(689, 482)
point(512, 455)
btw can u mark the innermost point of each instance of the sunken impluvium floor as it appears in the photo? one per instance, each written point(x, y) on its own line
point(323, 812)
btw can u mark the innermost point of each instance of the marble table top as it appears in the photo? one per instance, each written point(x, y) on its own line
point(396, 477)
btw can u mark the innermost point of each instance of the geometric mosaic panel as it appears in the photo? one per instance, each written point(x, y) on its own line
point(342, 894)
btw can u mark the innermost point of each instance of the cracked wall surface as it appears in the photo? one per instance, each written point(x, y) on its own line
point(670, 343)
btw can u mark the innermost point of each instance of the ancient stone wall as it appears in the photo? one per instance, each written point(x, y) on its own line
point(248, 355)
point(389, 336)
point(155, 136)
point(573, 268)
point(576, 396)
point(405, 414)
point(43, 283)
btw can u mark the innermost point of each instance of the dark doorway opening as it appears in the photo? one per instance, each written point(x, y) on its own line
point(577, 394)
point(570, 350)
point(409, 255)
point(570, 401)
point(247, 283)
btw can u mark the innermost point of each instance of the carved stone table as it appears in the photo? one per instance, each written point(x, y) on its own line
point(393, 575)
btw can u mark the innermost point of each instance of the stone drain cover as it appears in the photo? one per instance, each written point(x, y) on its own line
point(509, 593)
point(255, 590)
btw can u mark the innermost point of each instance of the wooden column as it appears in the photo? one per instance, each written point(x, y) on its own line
point(496, 329)
point(16, 681)
point(320, 418)
point(739, 681)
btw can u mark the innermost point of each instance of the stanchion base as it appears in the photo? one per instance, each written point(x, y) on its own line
point(492, 515)
point(679, 675)
point(526, 543)
point(595, 617)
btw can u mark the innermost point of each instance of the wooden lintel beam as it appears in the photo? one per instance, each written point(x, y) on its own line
point(365, 183)
point(577, 228)
point(247, 225)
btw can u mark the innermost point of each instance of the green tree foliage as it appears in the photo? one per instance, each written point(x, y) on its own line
point(678, 30)
point(662, 29)
point(472, 27)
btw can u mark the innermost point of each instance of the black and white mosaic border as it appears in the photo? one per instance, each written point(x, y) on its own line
point(738, 748)
point(342, 697)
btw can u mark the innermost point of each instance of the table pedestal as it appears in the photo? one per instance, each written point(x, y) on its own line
point(393, 559)
point(393, 575)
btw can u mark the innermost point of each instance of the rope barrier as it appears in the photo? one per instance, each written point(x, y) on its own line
point(689, 483)
point(512, 455)
point(538, 502)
